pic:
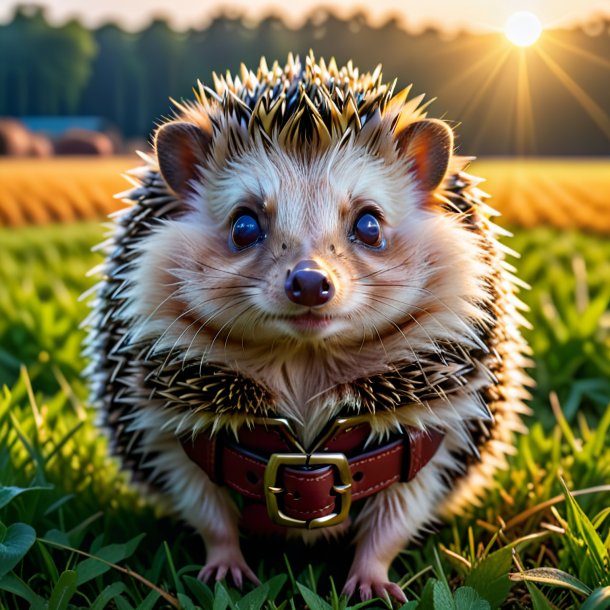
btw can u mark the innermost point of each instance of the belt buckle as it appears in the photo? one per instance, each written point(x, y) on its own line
point(343, 490)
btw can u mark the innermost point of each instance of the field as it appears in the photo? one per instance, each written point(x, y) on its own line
point(74, 534)
point(528, 192)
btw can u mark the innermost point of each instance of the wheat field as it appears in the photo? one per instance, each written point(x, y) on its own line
point(566, 193)
point(60, 189)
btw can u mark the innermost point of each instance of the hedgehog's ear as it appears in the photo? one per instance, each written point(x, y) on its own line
point(429, 144)
point(181, 147)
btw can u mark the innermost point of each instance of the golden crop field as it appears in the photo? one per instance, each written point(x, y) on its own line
point(570, 193)
point(60, 189)
point(565, 193)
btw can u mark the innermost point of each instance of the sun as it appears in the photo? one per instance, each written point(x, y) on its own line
point(523, 28)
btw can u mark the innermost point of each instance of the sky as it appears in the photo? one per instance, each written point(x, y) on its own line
point(451, 15)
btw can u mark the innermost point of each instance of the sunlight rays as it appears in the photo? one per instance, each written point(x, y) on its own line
point(588, 104)
point(578, 51)
point(525, 138)
point(501, 60)
point(499, 57)
point(494, 86)
point(498, 60)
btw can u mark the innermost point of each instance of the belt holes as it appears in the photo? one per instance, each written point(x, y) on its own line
point(358, 476)
point(296, 495)
point(251, 477)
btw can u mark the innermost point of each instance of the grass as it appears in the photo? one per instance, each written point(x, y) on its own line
point(74, 534)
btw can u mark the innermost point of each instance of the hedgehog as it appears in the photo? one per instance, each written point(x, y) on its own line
point(306, 326)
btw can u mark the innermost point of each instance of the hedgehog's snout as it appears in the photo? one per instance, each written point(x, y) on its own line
point(309, 284)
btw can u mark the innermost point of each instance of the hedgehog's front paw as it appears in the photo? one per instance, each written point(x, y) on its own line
point(227, 560)
point(372, 581)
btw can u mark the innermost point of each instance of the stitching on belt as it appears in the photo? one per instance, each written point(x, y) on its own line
point(309, 512)
point(393, 479)
point(247, 492)
point(307, 479)
point(376, 458)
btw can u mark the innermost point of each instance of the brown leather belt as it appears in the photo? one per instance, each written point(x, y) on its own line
point(309, 489)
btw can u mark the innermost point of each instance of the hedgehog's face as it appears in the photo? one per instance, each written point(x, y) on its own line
point(281, 249)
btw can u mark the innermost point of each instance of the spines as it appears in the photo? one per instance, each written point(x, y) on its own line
point(304, 106)
point(321, 104)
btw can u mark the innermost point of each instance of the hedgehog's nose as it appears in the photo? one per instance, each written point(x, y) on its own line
point(308, 284)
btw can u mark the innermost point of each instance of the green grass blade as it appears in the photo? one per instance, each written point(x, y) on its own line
point(172, 568)
point(10, 493)
point(123, 604)
point(97, 565)
point(13, 584)
point(581, 527)
point(313, 600)
point(63, 591)
point(275, 585)
point(107, 595)
point(222, 599)
point(202, 593)
point(539, 600)
point(553, 577)
point(254, 600)
point(598, 600)
point(48, 563)
point(169, 598)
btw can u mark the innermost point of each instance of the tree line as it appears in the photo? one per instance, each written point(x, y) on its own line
point(549, 100)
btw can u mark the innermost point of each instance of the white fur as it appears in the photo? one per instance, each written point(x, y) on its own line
point(191, 294)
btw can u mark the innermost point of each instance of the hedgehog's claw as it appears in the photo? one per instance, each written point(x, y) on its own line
point(368, 587)
point(389, 588)
point(225, 562)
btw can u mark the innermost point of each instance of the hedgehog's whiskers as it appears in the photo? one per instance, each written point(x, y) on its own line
point(223, 296)
point(469, 331)
point(381, 271)
point(385, 301)
point(229, 321)
point(176, 319)
point(377, 311)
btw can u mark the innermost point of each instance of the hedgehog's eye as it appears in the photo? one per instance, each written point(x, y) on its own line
point(367, 231)
point(246, 231)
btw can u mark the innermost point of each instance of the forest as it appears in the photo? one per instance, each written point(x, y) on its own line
point(559, 89)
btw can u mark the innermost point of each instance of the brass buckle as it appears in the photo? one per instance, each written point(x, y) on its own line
point(341, 424)
point(343, 490)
